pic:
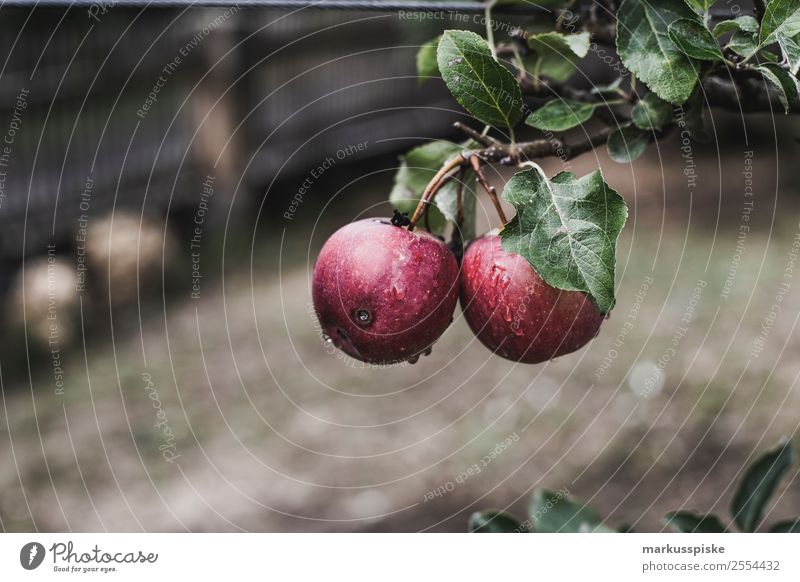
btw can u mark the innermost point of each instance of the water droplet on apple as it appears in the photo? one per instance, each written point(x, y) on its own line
point(399, 293)
point(497, 273)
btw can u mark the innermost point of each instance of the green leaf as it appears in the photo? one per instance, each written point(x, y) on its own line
point(478, 82)
point(646, 50)
point(758, 485)
point(567, 229)
point(446, 202)
point(743, 23)
point(780, 17)
point(790, 47)
point(553, 512)
point(786, 526)
point(556, 55)
point(785, 85)
point(426, 60)
point(651, 113)
point(494, 521)
point(612, 88)
point(627, 143)
point(690, 522)
point(743, 43)
point(567, 45)
point(700, 5)
point(694, 40)
point(561, 115)
point(417, 168)
point(550, 66)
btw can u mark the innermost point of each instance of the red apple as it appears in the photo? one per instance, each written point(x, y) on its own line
point(515, 313)
point(384, 294)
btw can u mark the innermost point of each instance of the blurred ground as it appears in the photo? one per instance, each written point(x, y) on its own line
point(267, 430)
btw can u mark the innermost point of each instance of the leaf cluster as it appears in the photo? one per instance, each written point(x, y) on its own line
point(555, 512)
point(666, 51)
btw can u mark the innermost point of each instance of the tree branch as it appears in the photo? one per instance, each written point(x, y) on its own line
point(484, 140)
point(513, 154)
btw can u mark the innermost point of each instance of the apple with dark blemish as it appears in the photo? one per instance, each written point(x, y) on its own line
point(382, 293)
point(514, 313)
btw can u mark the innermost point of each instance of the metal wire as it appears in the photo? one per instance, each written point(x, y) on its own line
point(355, 5)
point(475, 6)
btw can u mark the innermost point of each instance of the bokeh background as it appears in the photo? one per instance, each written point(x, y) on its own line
point(160, 362)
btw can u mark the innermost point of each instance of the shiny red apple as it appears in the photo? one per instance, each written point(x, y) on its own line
point(382, 293)
point(514, 313)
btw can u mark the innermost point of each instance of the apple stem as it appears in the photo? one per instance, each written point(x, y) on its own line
point(476, 166)
point(460, 200)
point(439, 180)
point(426, 213)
